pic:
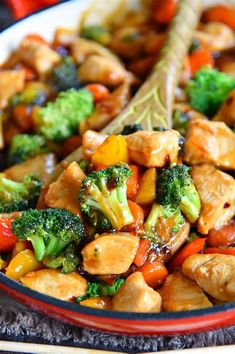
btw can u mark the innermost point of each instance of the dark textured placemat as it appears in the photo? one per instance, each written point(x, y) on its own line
point(18, 323)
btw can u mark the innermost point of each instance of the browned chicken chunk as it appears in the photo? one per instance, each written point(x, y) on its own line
point(56, 284)
point(210, 142)
point(180, 293)
point(136, 296)
point(42, 165)
point(11, 82)
point(214, 273)
point(217, 193)
point(110, 253)
point(63, 192)
point(103, 70)
point(38, 55)
point(154, 149)
point(82, 48)
point(226, 113)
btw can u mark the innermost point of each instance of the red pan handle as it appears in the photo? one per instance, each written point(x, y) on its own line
point(22, 8)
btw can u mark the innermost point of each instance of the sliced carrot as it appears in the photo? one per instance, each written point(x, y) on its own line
point(154, 273)
point(192, 247)
point(142, 253)
point(221, 13)
point(99, 92)
point(22, 115)
point(133, 182)
point(138, 215)
point(224, 236)
point(71, 144)
point(200, 58)
point(228, 251)
point(164, 10)
point(36, 37)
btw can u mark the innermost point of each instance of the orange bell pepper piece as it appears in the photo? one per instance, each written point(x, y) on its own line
point(98, 302)
point(112, 151)
point(154, 273)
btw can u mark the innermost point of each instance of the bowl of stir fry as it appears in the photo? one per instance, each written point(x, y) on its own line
point(134, 231)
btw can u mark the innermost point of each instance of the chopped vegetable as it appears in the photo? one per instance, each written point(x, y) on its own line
point(190, 248)
point(229, 251)
point(17, 196)
point(96, 33)
point(175, 187)
point(180, 121)
point(133, 182)
point(68, 260)
point(164, 11)
point(142, 253)
point(112, 151)
point(60, 119)
point(7, 238)
point(199, 59)
point(99, 92)
point(64, 76)
point(102, 289)
point(221, 13)
point(23, 263)
point(103, 198)
point(209, 89)
point(49, 230)
point(147, 190)
point(154, 273)
point(138, 216)
point(24, 147)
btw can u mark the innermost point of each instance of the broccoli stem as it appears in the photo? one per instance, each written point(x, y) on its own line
point(39, 247)
point(190, 205)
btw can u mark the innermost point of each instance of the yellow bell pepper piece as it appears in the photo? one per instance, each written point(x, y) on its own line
point(19, 246)
point(112, 151)
point(23, 263)
point(3, 264)
point(98, 302)
point(147, 190)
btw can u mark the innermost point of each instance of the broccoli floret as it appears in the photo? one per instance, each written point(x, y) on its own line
point(102, 289)
point(209, 89)
point(175, 187)
point(68, 260)
point(35, 93)
point(131, 128)
point(96, 33)
point(18, 196)
point(103, 198)
point(25, 146)
point(180, 121)
point(60, 119)
point(49, 230)
point(158, 214)
point(65, 76)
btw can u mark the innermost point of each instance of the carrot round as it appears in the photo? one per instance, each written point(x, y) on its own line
point(228, 251)
point(154, 273)
point(200, 58)
point(164, 10)
point(138, 215)
point(142, 253)
point(133, 182)
point(221, 13)
point(99, 92)
point(192, 247)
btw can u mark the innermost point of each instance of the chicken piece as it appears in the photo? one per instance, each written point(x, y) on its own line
point(107, 109)
point(214, 273)
point(210, 142)
point(110, 253)
point(91, 141)
point(63, 192)
point(56, 284)
point(179, 293)
point(215, 36)
point(154, 149)
point(103, 70)
point(136, 296)
point(39, 56)
point(217, 193)
point(82, 48)
point(12, 82)
point(172, 242)
point(226, 113)
point(42, 165)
